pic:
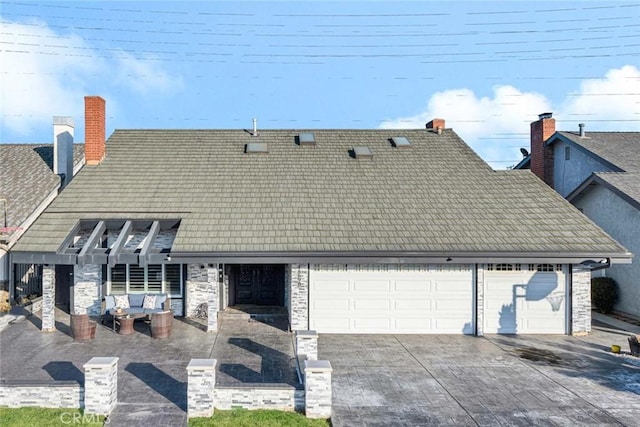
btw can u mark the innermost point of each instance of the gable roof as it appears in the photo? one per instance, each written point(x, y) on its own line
point(434, 197)
point(620, 150)
point(27, 178)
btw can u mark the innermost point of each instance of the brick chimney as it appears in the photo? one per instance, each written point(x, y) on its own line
point(94, 129)
point(541, 154)
point(436, 125)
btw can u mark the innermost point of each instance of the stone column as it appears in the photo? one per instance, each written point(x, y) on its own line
point(580, 301)
point(299, 297)
point(213, 301)
point(86, 295)
point(100, 385)
point(317, 388)
point(307, 344)
point(480, 299)
point(48, 298)
point(201, 381)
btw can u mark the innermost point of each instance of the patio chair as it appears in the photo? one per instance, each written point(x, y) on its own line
point(161, 324)
point(82, 328)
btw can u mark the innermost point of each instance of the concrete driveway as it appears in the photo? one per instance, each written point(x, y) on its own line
point(411, 380)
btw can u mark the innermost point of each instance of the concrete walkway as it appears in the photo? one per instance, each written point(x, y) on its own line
point(254, 351)
point(400, 380)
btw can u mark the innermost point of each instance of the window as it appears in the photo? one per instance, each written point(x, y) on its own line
point(545, 267)
point(158, 278)
point(119, 279)
point(567, 153)
point(173, 279)
point(504, 267)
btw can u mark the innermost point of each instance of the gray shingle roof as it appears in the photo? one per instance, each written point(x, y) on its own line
point(621, 149)
point(437, 196)
point(27, 178)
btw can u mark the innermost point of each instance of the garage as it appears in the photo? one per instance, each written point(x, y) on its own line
point(404, 299)
point(525, 299)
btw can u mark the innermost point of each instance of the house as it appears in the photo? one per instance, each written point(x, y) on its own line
point(599, 173)
point(31, 176)
point(353, 231)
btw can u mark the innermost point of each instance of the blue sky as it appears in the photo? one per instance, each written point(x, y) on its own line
point(488, 68)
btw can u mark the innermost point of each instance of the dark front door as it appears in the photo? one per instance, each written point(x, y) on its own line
point(64, 280)
point(259, 284)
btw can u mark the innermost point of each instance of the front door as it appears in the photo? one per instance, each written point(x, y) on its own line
point(259, 284)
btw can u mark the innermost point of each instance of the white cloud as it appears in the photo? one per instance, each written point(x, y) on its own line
point(45, 73)
point(144, 76)
point(609, 103)
point(498, 125)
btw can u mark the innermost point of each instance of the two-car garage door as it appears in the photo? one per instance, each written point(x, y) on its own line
point(432, 299)
point(391, 299)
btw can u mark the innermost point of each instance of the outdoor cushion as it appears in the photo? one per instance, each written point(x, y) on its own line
point(160, 299)
point(110, 302)
point(135, 310)
point(122, 301)
point(136, 300)
point(149, 301)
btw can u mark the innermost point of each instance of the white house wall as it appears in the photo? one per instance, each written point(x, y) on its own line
point(600, 204)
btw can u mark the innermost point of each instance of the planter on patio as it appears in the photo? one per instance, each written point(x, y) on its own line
point(634, 345)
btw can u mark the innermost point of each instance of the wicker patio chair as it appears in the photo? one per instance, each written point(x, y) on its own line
point(161, 324)
point(82, 328)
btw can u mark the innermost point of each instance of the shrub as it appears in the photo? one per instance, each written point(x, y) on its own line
point(604, 293)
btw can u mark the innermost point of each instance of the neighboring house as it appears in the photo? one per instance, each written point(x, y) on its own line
point(31, 176)
point(353, 231)
point(599, 173)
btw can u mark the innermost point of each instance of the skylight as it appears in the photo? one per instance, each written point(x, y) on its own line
point(257, 148)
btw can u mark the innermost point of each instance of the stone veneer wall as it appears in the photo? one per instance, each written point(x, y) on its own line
point(299, 297)
point(580, 301)
point(202, 287)
point(48, 298)
point(87, 289)
point(57, 394)
point(287, 289)
point(195, 288)
point(480, 299)
point(213, 299)
point(279, 397)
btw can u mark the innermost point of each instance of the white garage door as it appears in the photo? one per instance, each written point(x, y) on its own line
point(525, 299)
point(391, 299)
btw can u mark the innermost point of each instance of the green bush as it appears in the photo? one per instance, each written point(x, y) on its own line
point(604, 293)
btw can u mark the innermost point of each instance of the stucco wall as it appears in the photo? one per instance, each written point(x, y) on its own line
point(622, 222)
point(568, 174)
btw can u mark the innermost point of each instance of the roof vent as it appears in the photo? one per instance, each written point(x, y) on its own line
point(307, 138)
point(400, 141)
point(255, 127)
point(362, 153)
point(257, 148)
point(581, 127)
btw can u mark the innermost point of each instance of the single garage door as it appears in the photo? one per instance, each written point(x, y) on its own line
point(525, 299)
point(402, 299)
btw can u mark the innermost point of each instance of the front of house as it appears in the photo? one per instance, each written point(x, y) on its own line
point(353, 231)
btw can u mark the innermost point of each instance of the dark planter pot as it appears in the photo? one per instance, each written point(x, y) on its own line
point(634, 345)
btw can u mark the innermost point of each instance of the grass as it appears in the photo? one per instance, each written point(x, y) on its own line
point(47, 417)
point(261, 417)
